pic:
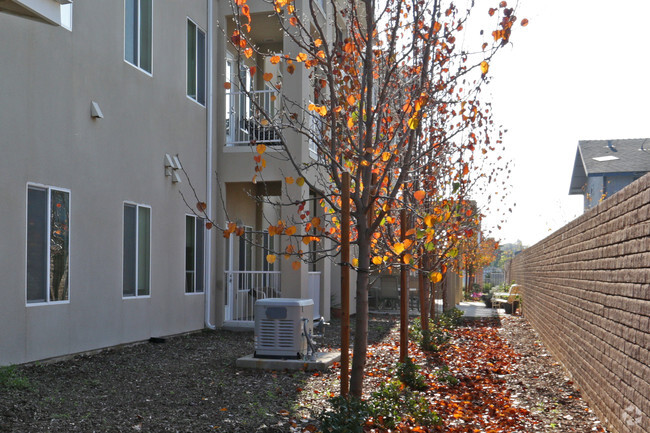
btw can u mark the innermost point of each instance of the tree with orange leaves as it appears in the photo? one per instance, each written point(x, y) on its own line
point(396, 104)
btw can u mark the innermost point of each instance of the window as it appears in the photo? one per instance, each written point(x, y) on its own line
point(66, 16)
point(48, 244)
point(137, 250)
point(138, 27)
point(195, 62)
point(194, 254)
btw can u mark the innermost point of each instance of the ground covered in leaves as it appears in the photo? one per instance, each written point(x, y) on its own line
point(492, 376)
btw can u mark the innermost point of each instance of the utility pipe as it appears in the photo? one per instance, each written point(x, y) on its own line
point(208, 179)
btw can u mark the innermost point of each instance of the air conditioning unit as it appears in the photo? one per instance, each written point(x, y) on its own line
point(282, 326)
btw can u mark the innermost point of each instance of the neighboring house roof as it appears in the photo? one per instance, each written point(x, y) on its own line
point(596, 157)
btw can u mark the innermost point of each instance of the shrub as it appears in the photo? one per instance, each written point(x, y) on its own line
point(394, 403)
point(10, 378)
point(408, 374)
point(348, 415)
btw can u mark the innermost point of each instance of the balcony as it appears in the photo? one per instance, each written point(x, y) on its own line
point(247, 121)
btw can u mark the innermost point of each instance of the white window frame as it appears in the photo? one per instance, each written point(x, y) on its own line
point(197, 222)
point(48, 189)
point(139, 45)
point(137, 247)
point(195, 97)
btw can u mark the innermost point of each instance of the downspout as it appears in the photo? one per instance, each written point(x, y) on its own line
point(208, 179)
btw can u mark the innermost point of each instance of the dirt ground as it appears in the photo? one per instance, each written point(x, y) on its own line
point(190, 384)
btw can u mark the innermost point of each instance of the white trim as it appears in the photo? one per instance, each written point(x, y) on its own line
point(138, 36)
point(48, 189)
point(197, 28)
point(137, 226)
point(68, 7)
point(196, 219)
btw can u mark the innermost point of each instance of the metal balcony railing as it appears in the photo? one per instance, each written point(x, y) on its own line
point(246, 287)
point(246, 123)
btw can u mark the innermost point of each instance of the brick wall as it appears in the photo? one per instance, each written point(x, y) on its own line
point(586, 290)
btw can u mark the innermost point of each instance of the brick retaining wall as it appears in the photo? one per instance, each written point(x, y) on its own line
point(586, 290)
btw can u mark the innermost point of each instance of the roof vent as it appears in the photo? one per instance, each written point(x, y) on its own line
point(611, 147)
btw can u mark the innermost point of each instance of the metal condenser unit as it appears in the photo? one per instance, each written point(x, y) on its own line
point(280, 327)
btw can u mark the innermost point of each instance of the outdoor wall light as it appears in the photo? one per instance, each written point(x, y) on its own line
point(172, 165)
point(95, 111)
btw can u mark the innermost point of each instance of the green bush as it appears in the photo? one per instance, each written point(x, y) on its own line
point(445, 376)
point(348, 415)
point(394, 403)
point(408, 374)
point(10, 378)
point(439, 330)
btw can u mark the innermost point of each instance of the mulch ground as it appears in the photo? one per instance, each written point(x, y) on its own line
point(507, 382)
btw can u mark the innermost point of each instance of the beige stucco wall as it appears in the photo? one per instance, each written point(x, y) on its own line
point(48, 77)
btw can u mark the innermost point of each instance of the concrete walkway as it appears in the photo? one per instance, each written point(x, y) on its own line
point(478, 310)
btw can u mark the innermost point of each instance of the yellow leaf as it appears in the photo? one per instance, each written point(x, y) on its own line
point(261, 148)
point(414, 122)
point(435, 277)
point(270, 258)
point(429, 220)
point(377, 260)
point(398, 248)
point(484, 67)
point(288, 180)
point(301, 57)
point(350, 122)
point(300, 181)
point(355, 262)
point(385, 156)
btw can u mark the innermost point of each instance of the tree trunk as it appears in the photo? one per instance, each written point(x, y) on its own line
point(361, 332)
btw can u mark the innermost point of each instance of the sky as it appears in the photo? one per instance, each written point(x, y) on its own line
point(580, 70)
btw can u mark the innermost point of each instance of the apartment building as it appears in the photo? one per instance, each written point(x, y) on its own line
point(100, 105)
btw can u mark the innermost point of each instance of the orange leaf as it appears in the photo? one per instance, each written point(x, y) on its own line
point(315, 221)
point(419, 195)
point(261, 148)
point(201, 206)
point(295, 265)
point(252, 70)
point(208, 225)
point(227, 86)
point(301, 57)
point(275, 60)
point(351, 100)
point(270, 258)
point(435, 277)
point(291, 69)
point(377, 260)
point(398, 248)
point(290, 230)
point(318, 42)
point(268, 76)
point(300, 181)
point(524, 22)
point(407, 258)
point(288, 180)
